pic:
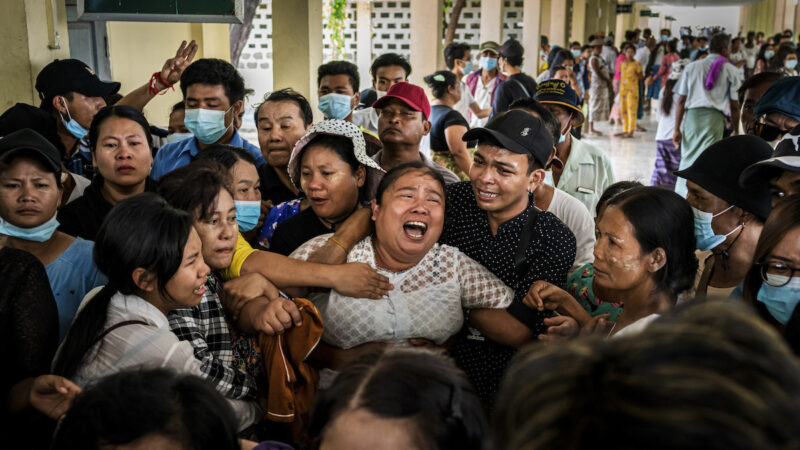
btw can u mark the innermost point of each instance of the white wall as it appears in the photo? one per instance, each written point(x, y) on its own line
point(708, 16)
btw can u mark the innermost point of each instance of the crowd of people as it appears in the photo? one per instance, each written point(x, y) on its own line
point(450, 268)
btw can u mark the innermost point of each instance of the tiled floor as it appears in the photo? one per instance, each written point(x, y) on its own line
point(632, 159)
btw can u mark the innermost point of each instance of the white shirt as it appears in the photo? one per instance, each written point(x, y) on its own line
point(692, 85)
point(483, 96)
point(739, 56)
point(149, 346)
point(636, 327)
point(750, 55)
point(81, 183)
point(466, 99)
point(610, 56)
point(586, 175)
point(666, 122)
point(574, 214)
point(426, 301)
point(642, 56)
point(366, 118)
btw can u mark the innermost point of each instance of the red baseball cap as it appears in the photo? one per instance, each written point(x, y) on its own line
point(410, 94)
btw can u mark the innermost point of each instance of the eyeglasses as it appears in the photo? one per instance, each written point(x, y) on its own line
point(777, 274)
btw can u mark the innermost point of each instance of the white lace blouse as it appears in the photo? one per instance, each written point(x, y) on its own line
point(426, 302)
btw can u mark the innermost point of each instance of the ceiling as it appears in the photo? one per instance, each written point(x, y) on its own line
point(692, 3)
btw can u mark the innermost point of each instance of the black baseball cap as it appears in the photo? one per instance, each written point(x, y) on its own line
point(27, 142)
point(71, 75)
point(511, 49)
point(516, 131)
point(718, 168)
point(558, 92)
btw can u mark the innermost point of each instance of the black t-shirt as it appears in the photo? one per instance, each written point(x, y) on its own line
point(296, 231)
point(517, 86)
point(443, 117)
point(83, 216)
point(272, 188)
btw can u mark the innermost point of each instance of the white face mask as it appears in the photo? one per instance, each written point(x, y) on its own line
point(380, 93)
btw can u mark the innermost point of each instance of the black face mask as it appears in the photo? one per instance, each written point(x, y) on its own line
point(767, 132)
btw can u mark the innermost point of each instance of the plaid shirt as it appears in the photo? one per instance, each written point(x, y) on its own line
point(205, 327)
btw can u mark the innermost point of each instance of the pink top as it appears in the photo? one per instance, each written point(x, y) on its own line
point(620, 58)
point(666, 66)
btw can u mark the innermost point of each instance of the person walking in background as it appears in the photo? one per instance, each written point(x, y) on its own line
point(668, 157)
point(630, 74)
point(600, 87)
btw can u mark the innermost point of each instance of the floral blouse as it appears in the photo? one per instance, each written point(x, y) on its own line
point(579, 285)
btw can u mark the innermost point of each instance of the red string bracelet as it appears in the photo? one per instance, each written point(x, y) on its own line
point(153, 90)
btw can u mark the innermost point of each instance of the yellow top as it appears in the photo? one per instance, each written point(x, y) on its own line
point(240, 254)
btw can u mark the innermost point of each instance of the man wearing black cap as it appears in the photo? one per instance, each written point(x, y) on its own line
point(781, 172)
point(518, 84)
point(728, 218)
point(585, 171)
point(71, 94)
point(493, 219)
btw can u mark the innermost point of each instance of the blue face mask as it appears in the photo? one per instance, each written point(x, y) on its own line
point(177, 137)
point(488, 63)
point(706, 239)
point(780, 301)
point(703, 49)
point(769, 54)
point(548, 178)
point(334, 106)
point(664, 38)
point(39, 233)
point(575, 53)
point(467, 67)
point(207, 125)
point(72, 126)
point(247, 214)
point(791, 64)
point(562, 138)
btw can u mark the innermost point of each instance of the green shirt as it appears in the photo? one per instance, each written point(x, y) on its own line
point(579, 285)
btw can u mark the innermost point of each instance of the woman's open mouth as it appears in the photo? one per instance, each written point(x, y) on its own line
point(415, 230)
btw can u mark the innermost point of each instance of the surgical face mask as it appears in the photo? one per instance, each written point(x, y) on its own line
point(207, 125)
point(575, 53)
point(379, 93)
point(488, 63)
point(73, 126)
point(703, 48)
point(467, 67)
point(247, 214)
point(769, 54)
point(39, 233)
point(791, 64)
point(706, 239)
point(335, 106)
point(177, 137)
point(780, 301)
point(562, 138)
point(664, 38)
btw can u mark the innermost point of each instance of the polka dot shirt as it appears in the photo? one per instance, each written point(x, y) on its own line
point(549, 257)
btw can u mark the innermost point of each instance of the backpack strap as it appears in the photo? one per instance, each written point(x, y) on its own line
point(115, 326)
point(525, 240)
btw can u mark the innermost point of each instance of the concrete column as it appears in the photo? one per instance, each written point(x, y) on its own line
point(544, 18)
point(789, 14)
point(590, 24)
point(620, 27)
point(558, 23)
point(796, 20)
point(531, 31)
point(611, 16)
point(579, 13)
point(297, 46)
point(492, 20)
point(780, 10)
point(364, 41)
point(426, 39)
point(27, 30)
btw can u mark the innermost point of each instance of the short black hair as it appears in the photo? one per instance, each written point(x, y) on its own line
point(195, 188)
point(340, 68)
point(180, 106)
point(123, 407)
point(757, 80)
point(543, 40)
point(414, 166)
point(212, 72)
point(719, 42)
point(227, 155)
point(123, 111)
point(288, 95)
point(389, 59)
point(439, 86)
point(454, 51)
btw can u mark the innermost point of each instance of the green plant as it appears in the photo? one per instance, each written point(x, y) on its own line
point(336, 25)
